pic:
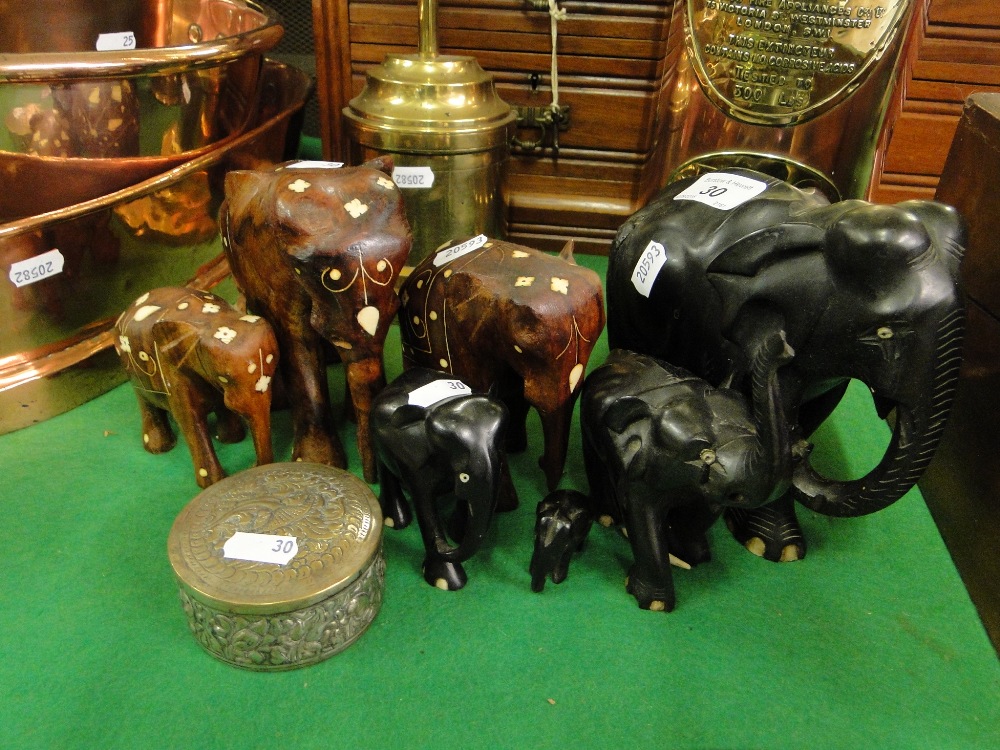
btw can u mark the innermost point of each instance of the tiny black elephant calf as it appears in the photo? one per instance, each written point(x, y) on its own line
point(562, 522)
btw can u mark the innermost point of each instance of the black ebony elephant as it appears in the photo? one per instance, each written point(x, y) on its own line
point(562, 521)
point(863, 291)
point(433, 437)
point(665, 452)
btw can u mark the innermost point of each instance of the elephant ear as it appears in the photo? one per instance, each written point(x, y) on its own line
point(946, 227)
point(630, 423)
point(383, 163)
point(400, 430)
point(566, 253)
point(405, 415)
point(242, 186)
point(625, 412)
point(172, 335)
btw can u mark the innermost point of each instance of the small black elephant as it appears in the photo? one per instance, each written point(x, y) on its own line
point(665, 452)
point(433, 437)
point(562, 522)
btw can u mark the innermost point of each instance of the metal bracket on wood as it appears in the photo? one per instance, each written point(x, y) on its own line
point(548, 119)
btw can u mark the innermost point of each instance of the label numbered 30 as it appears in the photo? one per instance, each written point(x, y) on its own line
point(265, 548)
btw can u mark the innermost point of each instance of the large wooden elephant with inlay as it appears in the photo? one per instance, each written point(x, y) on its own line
point(508, 319)
point(189, 353)
point(318, 251)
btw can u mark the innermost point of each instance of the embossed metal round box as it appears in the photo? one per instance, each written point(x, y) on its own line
point(321, 529)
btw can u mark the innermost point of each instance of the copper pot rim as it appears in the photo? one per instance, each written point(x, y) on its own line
point(47, 67)
point(212, 155)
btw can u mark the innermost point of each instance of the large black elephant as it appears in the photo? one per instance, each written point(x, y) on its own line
point(863, 291)
point(434, 438)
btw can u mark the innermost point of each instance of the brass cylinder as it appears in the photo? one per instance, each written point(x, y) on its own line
point(448, 132)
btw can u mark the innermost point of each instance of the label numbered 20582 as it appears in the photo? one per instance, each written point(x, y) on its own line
point(40, 267)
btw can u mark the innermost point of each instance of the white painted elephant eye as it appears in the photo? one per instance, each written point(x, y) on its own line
point(463, 477)
point(884, 332)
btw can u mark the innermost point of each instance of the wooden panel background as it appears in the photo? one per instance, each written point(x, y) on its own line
point(611, 68)
point(959, 55)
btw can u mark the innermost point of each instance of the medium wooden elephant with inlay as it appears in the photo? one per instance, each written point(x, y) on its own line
point(318, 252)
point(190, 353)
point(512, 320)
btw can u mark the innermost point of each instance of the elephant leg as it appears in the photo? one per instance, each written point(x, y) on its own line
point(260, 430)
point(316, 436)
point(602, 500)
point(395, 509)
point(191, 413)
point(771, 531)
point(157, 435)
point(555, 428)
point(650, 580)
point(686, 533)
point(507, 493)
point(510, 390)
point(365, 379)
point(438, 572)
point(229, 427)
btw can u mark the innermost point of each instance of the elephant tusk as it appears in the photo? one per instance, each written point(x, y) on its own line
point(677, 562)
point(368, 319)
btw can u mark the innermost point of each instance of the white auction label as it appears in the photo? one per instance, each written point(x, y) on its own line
point(265, 548)
point(647, 268)
point(116, 41)
point(464, 248)
point(439, 390)
point(413, 177)
point(40, 267)
point(306, 164)
point(722, 190)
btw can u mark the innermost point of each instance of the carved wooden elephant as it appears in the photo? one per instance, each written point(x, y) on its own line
point(190, 353)
point(863, 291)
point(318, 251)
point(435, 437)
point(665, 452)
point(562, 523)
point(512, 319)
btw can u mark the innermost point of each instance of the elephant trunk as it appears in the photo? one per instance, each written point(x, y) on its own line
point(919, 425)
point(769, 465)
point(556, 429)
point(475, 504)
point(365, 380)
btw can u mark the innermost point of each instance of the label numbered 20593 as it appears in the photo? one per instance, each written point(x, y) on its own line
point(40, 267)
point(647, 267)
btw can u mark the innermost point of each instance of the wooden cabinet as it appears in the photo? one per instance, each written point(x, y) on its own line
point(958, 55)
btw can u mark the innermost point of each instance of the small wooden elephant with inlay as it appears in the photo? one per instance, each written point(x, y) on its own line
point(512, 320)
point(190, 353)
point(318, 252)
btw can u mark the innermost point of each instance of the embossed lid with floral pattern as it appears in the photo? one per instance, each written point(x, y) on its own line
point(333, 515)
